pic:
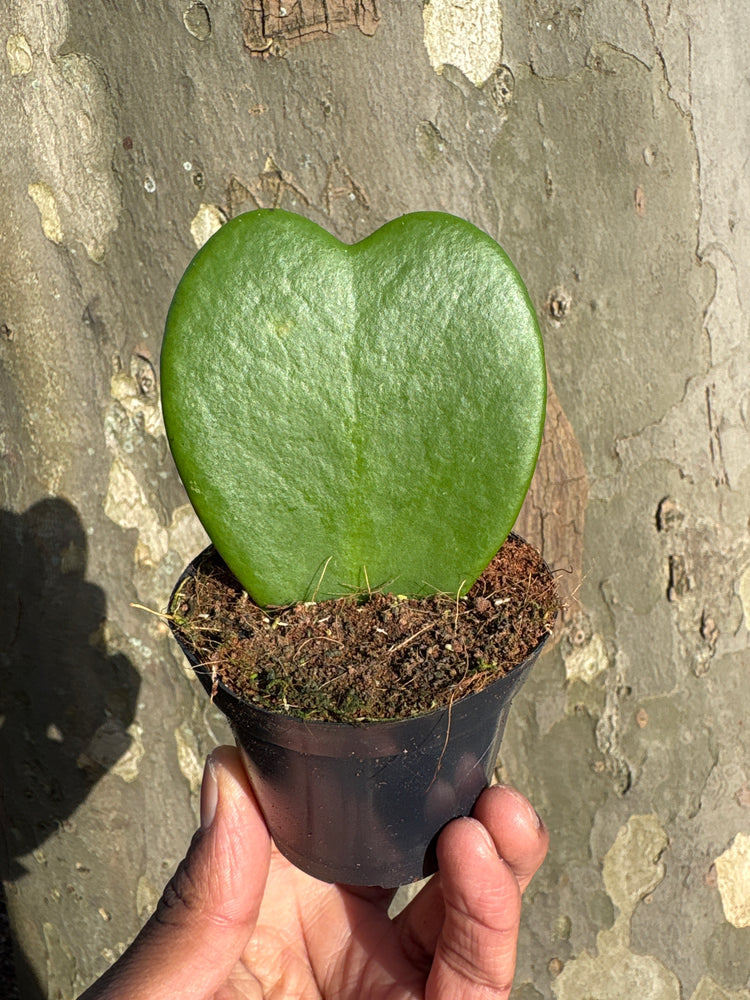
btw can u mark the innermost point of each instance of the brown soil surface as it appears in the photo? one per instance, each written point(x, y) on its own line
point(369, 656)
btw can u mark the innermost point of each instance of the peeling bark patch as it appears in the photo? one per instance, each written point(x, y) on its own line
point(584, 653)
point(669, 515)
point(430, 141)
point(44, 198)
point(146, 898)
point(615, 973)
point(167, 536)
point(69, 135)
point(709, 989)
point(558, 305)
point(631, 870)
point(127, 505)
point(115, 749)
point(270, 27)
point(197, 20)
point(733, 878)
point(500, 87)
point(632, 867)
point(467, 35)
point(18, 50)
point(208, 220)
point(744, 592)
point(679, 581)
point(239, 197)
point(128, 766)
point(187, 756)
point(137, 400)
point(609, 734)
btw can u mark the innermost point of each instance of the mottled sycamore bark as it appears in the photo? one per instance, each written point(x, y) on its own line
point(605, 147)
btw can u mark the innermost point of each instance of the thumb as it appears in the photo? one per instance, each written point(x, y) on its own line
point(210, 907)
point(476, 951)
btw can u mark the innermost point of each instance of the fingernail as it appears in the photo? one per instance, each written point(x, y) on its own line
point(209, 794)
point(530, 811)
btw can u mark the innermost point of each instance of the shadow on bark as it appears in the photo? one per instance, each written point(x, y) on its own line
point(65, 703)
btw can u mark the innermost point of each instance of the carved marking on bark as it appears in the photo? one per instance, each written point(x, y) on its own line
point(341, 184)
point(239, 197)
point(267, 190)
point(714, 439)
point(270, 27)
point(701, 582)
point(553, 514)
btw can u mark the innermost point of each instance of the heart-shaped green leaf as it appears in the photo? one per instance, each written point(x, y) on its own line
point(353, 416)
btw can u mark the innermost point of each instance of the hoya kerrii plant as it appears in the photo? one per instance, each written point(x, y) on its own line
point(343, 414)
point(356, 427)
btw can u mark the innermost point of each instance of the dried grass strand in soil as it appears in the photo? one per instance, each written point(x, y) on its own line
point(372, 655)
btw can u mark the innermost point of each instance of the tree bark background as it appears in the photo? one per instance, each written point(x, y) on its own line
point(605, 146)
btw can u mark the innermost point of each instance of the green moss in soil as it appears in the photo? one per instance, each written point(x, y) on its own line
point(367, 656)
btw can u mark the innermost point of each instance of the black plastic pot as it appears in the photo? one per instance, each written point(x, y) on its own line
point(364, 804)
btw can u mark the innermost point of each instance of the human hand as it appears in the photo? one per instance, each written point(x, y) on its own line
point(239, 922)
